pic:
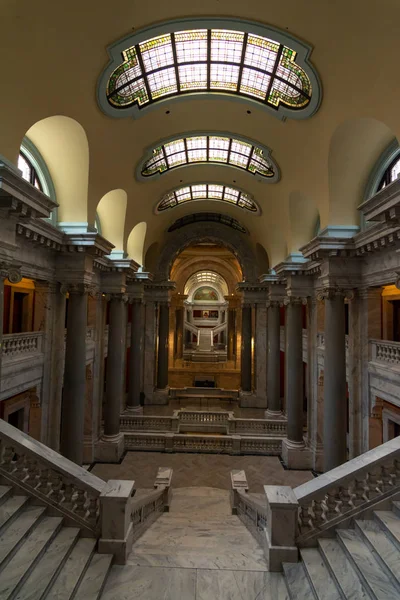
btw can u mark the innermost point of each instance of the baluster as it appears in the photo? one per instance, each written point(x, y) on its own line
point(360, 491)
point(56, 486)
point(305, 517)
point(20, 471)
point(332, 504)
point(92, 509)
point(396, 472)
point(80, 502)
point(32, 472)
point(373, 485)
point(318, 509)
point(346, 499)
point(7, 461)
point(43, 486)
point(386, 476)
point(68, 490)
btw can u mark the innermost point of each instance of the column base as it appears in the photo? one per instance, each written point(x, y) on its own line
point(296, 455)
point(109, 448)
point(251, 400)
point(160, 397)
point(318, 458)
point(274, 414)
point(134, 410)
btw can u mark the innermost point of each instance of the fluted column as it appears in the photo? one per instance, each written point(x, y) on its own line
point(273, 360)
point(115, 366)
point(73, 405)
point(163, 331)
point(246, 349)
point(335, 406)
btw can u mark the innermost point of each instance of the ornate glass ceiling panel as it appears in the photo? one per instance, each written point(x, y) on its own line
point(207, 191)
point(213, 149)
point(192, 56)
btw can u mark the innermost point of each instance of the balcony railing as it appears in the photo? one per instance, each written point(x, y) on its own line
point(385, 351)
point(16, 344)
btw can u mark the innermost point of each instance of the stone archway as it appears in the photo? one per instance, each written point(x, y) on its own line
point(214, 233)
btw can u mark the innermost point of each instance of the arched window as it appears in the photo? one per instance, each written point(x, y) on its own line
point(193, 56)
point(392, 172)
point(34, 169)
point(207, 191)
point(218, 149)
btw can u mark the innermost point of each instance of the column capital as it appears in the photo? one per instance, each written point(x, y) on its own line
point(78, 288)
point(117, 296)
point(134, 299)
point(294, 301)
point(10, 272)
point(273, 304)
point(329, 293)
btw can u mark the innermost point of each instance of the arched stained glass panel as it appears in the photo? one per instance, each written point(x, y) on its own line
point(242, 59)
point(214, 149)
point(207, 191)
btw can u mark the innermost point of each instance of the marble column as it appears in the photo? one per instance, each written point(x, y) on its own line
point(136, 353)
point(261, 354)
point(179, 332)
point(163, 332)
point(73, 404)
point(314, 407)
point(246, 349)
point(231, 333)
point(273, 361)
point(115, 366)
point(294, 452)
point(335, 406)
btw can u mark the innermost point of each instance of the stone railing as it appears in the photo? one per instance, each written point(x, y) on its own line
point(147, 508)
point(202, 421)
point(385, 351)
point(218, 444)
point(18, 344)
point(348, 490)
point(50, 478)
point(251, 512)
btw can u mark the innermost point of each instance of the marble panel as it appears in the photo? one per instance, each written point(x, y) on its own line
point(147, 583)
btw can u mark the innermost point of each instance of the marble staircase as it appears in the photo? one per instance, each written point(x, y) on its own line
point(358, 563)
point(42, 558)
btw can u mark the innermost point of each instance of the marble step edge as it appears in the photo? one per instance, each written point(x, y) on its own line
point(295, 577)
point(312, 561)
point(83, 591)
point(367, 584)
point(336, 574)
point(36, 519)
point(21, 503)
point(361, 526)
point(56, 526)
point(379, 516)
point(5, 493)
point(74, 537)
point(87, 559)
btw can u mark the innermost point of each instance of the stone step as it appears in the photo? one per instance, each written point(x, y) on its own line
point(5, 492)
point(10, 508)
point(383, 547)
point(374, 579)
point(297, 582)
point(42, 577)
point(16, 532)
point(95, 577)
point(27, 556)
point(390, 523)
point(341, 569)
point(321, 582)
point(71, 574)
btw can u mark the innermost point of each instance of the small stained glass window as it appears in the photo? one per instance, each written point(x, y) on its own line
point(207, 191)
point(213, 60)
point(391, 174)
point(217, 149)
point(29, 172)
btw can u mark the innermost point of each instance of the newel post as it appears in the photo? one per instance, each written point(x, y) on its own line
point(116, 522)
point(282, 515)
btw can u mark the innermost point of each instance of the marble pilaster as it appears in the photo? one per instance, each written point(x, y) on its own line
point(261, 352)
point(246, 349)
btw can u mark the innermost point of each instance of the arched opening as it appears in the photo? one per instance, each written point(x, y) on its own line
point(111, 212)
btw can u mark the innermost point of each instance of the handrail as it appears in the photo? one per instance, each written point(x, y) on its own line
point(50, 477)
point(348, 489)
point(250, 512)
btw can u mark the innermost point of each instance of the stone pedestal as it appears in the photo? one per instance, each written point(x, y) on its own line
point(296, 455)
point(109, 448)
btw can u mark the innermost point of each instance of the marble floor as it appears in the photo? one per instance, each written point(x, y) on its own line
point(198, 551)
point(211, 470)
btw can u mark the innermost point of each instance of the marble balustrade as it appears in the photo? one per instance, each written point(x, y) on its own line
point(385, 351)
point(16, 344)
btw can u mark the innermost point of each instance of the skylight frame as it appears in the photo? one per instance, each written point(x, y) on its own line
point(207, 217)
point(208, 192)
point(301, 49)
point(189, 148)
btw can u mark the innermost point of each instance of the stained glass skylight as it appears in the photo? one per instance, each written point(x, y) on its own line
point(216, 149)
point(242, 59)
point(207, 191)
